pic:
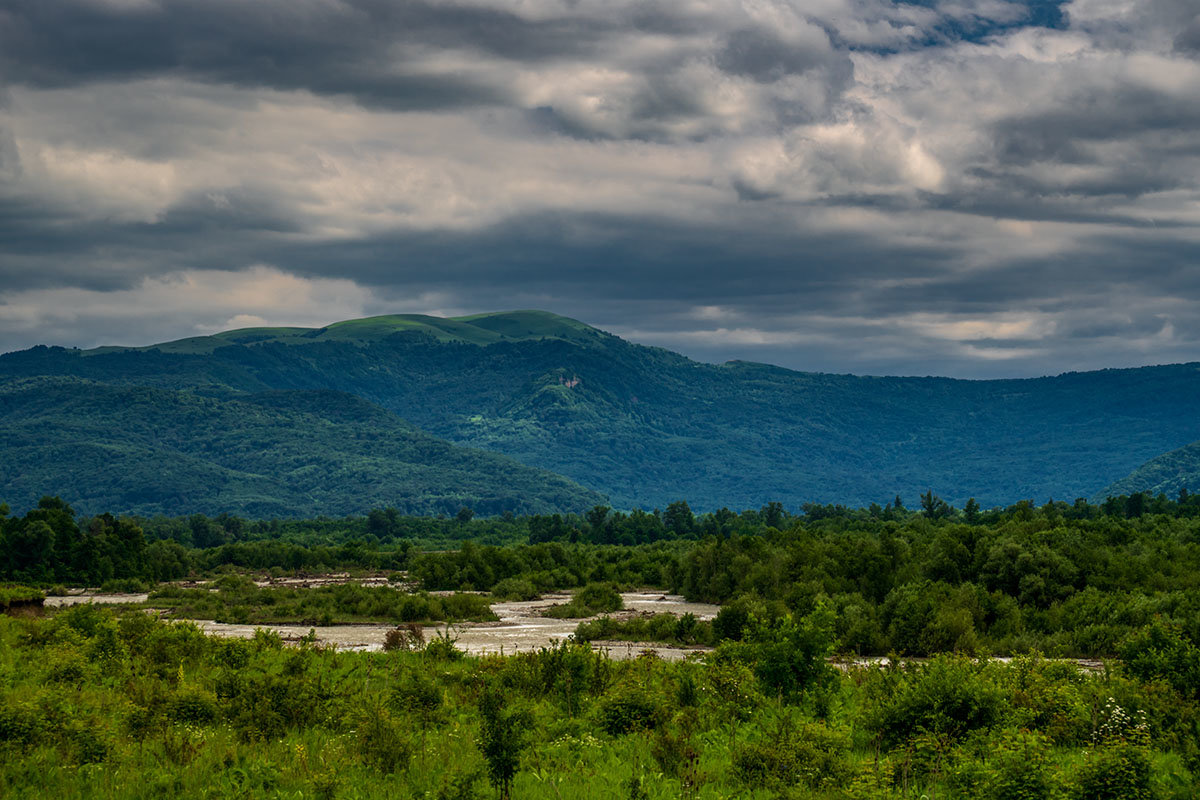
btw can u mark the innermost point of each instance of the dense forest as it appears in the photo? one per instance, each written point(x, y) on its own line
point(639, 425)
point(146, 450)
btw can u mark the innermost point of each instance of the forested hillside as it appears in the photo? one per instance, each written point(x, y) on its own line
point(1167, 474)
point(646, 426)
point(149, 450)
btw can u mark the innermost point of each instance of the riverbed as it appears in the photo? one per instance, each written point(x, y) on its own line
point(521, 628)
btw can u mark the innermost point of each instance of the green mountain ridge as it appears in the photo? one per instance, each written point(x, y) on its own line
point(477, 329)
point(279, 453)
point(646, 426)
point(1164, 474)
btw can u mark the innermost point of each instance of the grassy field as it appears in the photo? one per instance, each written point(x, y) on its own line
point(99, 705)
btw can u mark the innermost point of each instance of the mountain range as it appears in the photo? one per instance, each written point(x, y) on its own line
point(522, 410)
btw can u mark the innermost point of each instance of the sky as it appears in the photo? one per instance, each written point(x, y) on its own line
point(975, 188)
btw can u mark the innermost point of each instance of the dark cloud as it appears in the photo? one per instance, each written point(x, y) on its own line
point(361, 48)
point(1188, 40)
point(972, 188)
point(1110, 113)
point(765, 57)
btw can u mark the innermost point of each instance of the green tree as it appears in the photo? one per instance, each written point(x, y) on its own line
point(501, 739)
point(933, 506)
point(679, 519)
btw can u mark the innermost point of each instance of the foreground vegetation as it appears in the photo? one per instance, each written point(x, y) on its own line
point(98, 705)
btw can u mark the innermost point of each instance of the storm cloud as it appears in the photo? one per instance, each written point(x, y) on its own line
point(978, 188)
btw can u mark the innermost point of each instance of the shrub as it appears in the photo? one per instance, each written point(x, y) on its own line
point(628, 711)
point(592, 599)
point(515, 589)
point(442, 647)
point(672, 748)
point(1160, 651)
point(381, 744)
point(404, 637)
point(123, 586)
point(947, 696)
point(810, 754)
point(19, 725)
point(1119, 770)
point(730, 621)
point(789, 654)
point(192, 706)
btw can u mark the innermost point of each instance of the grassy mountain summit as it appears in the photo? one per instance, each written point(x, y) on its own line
point(478, 329)
point(1164, 474)
point(646, 426)
point(278, 453)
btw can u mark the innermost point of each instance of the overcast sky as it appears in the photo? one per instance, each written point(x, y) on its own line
point(974, 188)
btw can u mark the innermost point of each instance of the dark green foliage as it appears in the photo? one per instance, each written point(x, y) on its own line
point(240, 600)
point(192, 706)
point(18, 596)
point(683, 630)
point(592, 599)
point(1160, 651)
point(630, 710)
point(1116, 771)
point(950, 697)
point(382, 742)
point(789, 754)
point(788, 654)
point(1017, 768)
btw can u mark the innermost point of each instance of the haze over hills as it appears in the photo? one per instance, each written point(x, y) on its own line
point(646, 426)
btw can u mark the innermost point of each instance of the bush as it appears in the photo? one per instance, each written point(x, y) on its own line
point(123, 586)
point(1116, 771)
point(1019, 771)
point(592, 599)
point(442, 647)
point(406, 637)
point(515, 589)
point(381, 744)
point(730, 621)
point(1160, 651)
point(789, 655)
point(809, 754)
point(19, 725)
point(627, 712)
point(192, 706)
point(948, 696)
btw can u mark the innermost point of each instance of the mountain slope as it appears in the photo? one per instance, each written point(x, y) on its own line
point(280, 453)
point(647, 426)
point(1165, 474)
